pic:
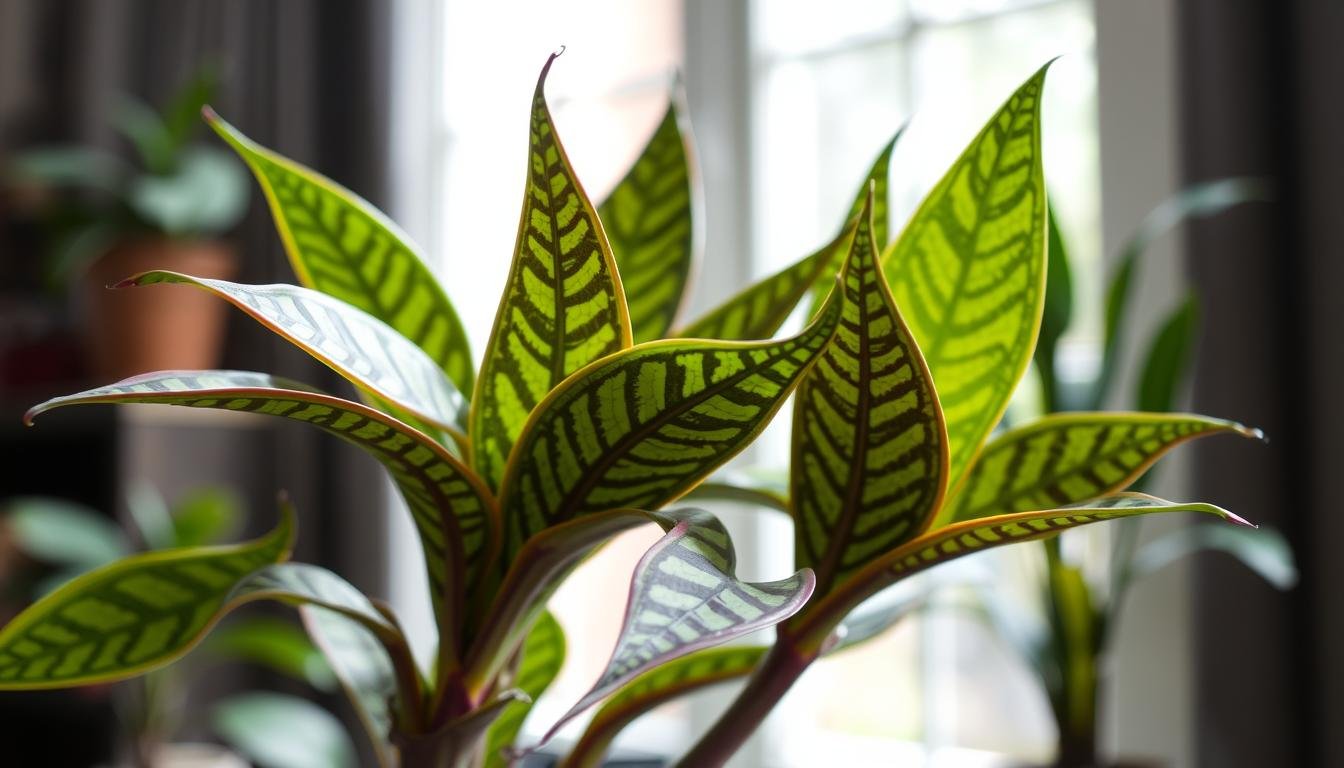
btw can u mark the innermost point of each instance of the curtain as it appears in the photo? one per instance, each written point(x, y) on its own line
point(1260, 95)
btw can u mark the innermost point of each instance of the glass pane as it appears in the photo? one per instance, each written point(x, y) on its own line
point(947, 11)
point(789, 27)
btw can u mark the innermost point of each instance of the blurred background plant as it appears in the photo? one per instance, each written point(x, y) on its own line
point(1084, 577)
point(50, 541)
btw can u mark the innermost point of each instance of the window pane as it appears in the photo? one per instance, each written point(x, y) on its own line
point(790, 27)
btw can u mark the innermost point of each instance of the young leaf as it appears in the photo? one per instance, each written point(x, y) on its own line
point(364, 670)
point(1196, 201)
point(562, 308)
point(62, 532)
point(1169, 357)
point(648, 220)
point(684, 597)
point(1069, 458)
point(639, 428)
point(659, 685)
point(1057, 314)
point(1265, 551)
point(205, 515)
point(281, 731)
point(968, 272)
point(131, 616)
point(542, 656)
point(758, 311)
point(941, 545)
point(453, 512)
point(341, 245)
point(869, 461)
point(366, 351)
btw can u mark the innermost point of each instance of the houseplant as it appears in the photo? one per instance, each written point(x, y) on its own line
point(572, 434)
point(66, 540)
point(107, 218)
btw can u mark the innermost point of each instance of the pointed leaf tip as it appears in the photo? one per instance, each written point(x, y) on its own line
point(1236, 519)
point(208, 114)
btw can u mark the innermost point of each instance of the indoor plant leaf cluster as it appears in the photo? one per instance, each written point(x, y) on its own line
point(574, 432)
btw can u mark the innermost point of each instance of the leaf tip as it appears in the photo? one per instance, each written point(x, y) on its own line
point(1236, 519)
point(209, 115)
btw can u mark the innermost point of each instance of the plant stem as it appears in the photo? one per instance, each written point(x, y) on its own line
point(778, 671)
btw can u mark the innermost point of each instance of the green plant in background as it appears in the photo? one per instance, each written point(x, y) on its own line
point(73, 540)
point(570, 432)
point(176, 188)
point(1079, 613)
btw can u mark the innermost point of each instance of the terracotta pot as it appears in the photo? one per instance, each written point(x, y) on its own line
point(156, 327)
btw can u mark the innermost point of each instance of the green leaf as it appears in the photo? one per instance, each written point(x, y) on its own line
point(733, 486)
point(941, 545)
point(1057, 314)
point(61, 166)
point(453, 512)
point(562, 308)
point(150, 515)
point(870, 452)
point(145, 129)
point(1169, 357)
point(364, 350)
point(459, 741)
point(341, 245)
point(205, 194)
point(132, 616)
point(640, 427)
point(759, 311)
point(1195, 201)
point(879, 614)
point(1072, 650)
point(657, 686)
point(281, 731)
point(542, 656)
point(63, 533)
point(968, 272)
point(275, 644)
point(365, 671)
point(648, 221)
point(1068, 458)
point(683, 598)
point(205, 515)
point(1265, 551)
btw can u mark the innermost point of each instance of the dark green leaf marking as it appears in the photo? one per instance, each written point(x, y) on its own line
point(648, 220)
point(341, 245)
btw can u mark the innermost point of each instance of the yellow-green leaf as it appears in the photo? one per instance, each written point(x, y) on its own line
point(1069, 458)
point(869, 462)
point(657, 686)
point(132, 616)
point(542, 655)
point(363, 349)
point(562, 308)
point(648, 220)
point(941, 545)
point(968, 272)
point(341, 245)
point(639, 428)
point(454, 513)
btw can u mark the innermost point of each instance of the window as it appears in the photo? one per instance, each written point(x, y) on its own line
point(827, 88)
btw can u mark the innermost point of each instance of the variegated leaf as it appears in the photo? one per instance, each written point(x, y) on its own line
point(453, 512)
point(968, 272)
point(760, 310)
point(562, 308)
point(869, 464)
point(341, 245)
point(542, 655)
point(941, 545)
point(657, 686)
point(366, 351)
point(684, 597)
point(648, 220)
point(639, 428)
point(1069, 458)
point(365, 671)
point(132, 616)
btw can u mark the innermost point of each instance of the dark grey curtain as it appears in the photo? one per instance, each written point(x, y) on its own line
point(308, 78)
point(1261, 95)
